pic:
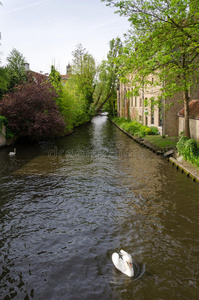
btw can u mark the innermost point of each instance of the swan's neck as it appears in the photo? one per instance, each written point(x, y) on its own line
point(129, 268)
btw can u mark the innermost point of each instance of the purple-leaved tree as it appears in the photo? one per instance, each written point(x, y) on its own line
point(31, 110)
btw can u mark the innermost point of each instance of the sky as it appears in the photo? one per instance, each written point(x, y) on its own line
point(47, 31)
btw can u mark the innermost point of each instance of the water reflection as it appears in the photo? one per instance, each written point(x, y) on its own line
point(67, 205)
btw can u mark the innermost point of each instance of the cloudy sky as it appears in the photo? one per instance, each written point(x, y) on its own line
point(47, 31)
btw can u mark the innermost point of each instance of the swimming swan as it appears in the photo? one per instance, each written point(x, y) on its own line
point(13, 153)
point(123, 262)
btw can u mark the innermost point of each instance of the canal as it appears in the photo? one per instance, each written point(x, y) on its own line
point(66, 205)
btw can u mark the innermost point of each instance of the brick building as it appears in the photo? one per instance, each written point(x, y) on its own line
point(144, 109)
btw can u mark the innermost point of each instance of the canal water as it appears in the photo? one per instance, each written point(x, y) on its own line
point(67, 205)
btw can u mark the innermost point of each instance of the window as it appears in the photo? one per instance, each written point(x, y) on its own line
point(160, 117)
point(152, 111)
point(161, 113)
point(146, 119)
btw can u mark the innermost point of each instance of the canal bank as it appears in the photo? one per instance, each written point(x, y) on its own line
point(184, 166)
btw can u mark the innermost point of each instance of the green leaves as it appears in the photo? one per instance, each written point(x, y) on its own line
point(16, 68)
point(84, 71)
point(106, 88)
point(163, 43)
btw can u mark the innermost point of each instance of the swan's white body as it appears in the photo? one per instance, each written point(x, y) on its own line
point(13, 153)
point(123, 262)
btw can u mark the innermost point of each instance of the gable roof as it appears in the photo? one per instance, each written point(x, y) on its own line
point(193, 110)
point(36, 74)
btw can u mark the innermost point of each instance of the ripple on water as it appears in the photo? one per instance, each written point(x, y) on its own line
point(62, 218)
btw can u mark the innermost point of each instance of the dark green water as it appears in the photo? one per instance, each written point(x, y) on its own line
point(67, 205)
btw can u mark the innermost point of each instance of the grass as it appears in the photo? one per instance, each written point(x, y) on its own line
point(162, 142)
point(149, 134)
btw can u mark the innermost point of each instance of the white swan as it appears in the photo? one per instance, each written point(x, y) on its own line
point(13, 153)
point(123, 262)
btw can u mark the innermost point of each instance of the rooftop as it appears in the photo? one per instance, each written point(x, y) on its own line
point(193, 110)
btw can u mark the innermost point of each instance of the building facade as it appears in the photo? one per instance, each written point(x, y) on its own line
point(145, 109)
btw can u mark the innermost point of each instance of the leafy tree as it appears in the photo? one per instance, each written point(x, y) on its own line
point(4, 81)
point(164, 42)
point(84, 71)
point(32, 112)
point(74, 107)
point(71, 101)
point(55, 80)
point(106, 88)
point(16, 68)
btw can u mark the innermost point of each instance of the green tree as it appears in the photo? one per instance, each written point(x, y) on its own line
point(84, 71)
point(4, 81)
point(106, 88)
point(4, 78)
point(164, 41)
point(55, 80)
point(16, 68)
point(74, 106)
point(70, 99)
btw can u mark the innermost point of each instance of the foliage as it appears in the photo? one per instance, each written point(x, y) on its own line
point(73, 105)
point(120, 120)
point(83, 72)
point(189, 150)
point(71, 100)
point(55, 80)
point(133, 127)
point(16, 68)
point(154, 130)
point(3, 121)
point(31, 111)
point(163, 42)
point(4, 81)
point(106, 87)
point(181, 144)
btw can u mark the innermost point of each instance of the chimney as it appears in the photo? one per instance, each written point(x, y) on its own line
point(27, 66)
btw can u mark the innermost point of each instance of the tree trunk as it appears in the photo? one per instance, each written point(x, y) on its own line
point(98, 99)
point(102, 104)
point(186, 113)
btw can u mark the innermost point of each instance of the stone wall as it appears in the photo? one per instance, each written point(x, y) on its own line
point(194, 127)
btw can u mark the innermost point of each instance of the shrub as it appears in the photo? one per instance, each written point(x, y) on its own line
point(154, 130)
point(145, 130)
point(133, 127)
point(120, 120)
point(188, 149)
point(181, 144)
point(31, 111)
